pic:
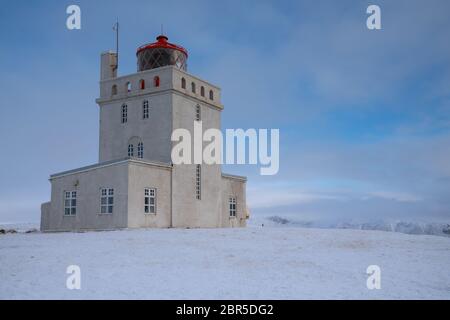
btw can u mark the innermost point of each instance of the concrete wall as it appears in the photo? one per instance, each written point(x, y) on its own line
point(143, 176)
point(177, 77)
point(154, 131)
point(187, 210)
point(88, 185)
point(233, 187)
point(45, 215)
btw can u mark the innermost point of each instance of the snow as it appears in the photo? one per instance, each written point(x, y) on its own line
point(250, 263)
point(437, 228)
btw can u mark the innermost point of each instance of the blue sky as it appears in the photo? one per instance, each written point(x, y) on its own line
point(364, 116)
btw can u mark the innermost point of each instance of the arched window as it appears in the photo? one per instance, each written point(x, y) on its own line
point(183, 83)
point(142, 84)
point(114, 90)
point(128, 86)
point(211, 95)
point(197, 113)
point(193, 87)
point(130, 150)
point(132, 143)
point(202, 91)
point(156, 81)
point(140, 150)
point(124, 113)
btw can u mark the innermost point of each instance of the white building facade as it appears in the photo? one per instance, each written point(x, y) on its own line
point(135, 184)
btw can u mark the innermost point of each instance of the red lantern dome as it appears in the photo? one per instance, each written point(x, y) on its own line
point(161, 53)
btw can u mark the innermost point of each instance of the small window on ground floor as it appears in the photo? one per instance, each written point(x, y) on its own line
point(150, 200)
point(107, 201)
point(70, 203)
point(232, 206)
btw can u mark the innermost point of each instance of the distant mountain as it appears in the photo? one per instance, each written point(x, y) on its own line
point(438, 229)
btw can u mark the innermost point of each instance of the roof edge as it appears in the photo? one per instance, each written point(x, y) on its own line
point(108, 164)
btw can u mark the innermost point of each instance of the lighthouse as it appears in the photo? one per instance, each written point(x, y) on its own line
point(135, 184)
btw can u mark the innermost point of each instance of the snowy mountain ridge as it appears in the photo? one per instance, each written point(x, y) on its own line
point(408, 227)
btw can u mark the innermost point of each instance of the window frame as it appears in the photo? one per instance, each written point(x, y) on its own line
point(198, 113)
point(130, 152)
point(140, 150)
point(107, 194)
point(198, 182)
point(156, 81)
point(232, 207)
point(70, 196)
point(124, 113)
point(150, 193)
point(145, 110)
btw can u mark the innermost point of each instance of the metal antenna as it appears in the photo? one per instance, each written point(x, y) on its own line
point(116, 28)
point(162, 29)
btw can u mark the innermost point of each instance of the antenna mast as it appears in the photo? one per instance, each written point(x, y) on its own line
point(116, 28)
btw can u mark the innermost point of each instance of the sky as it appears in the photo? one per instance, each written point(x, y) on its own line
point(364, 115)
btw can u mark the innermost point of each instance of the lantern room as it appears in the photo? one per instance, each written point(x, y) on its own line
point(161, 53)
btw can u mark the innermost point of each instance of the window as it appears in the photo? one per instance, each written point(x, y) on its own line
point(107, 201)
point(70, 203)
point(114, 90)
point(232, 204)
point(183, 83)
point(197, 113)
point(145, 109)
point(142, 84)
point(193, 87)
point(128, 86)
point(140, 150)
point(156, 81)
point(130, 150)
point(198, 180)
point(202, 91)
point(124, 113)
point(150, 200)
point(211, 95)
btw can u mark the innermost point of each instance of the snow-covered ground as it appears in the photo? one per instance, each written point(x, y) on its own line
point(251, 263)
